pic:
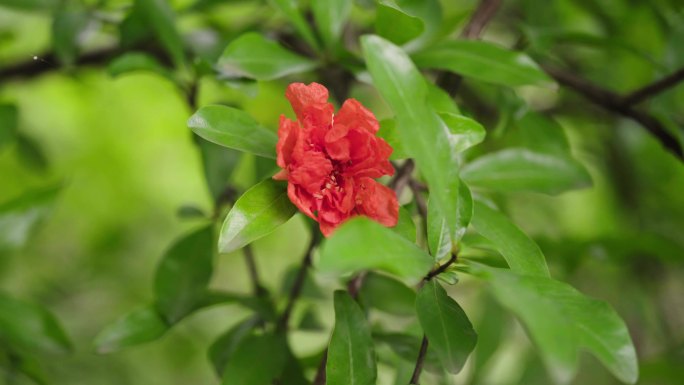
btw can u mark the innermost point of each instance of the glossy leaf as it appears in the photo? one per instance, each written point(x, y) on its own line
point(423, 134)
point(395, 25)
point(20, 217)
point(184, 273)
point(258, 212)
point(252, 55)
point(351, 355)
point(161, 18)
point(291, 10)
point(463, 131)
point(234, 129)
point(9, 121)
point(387, 294)
point(67, 27)
point(446, 326)
point(561, 321)
point(219, 163)
point(24, 325)
point(135, 328)
point(257, 360)
point(521, 253)
point(519, 169)
point(225, 346)
point(361, 244)
point(30, 5)
point(483, 61)
point(330, 16)
point(440, 239)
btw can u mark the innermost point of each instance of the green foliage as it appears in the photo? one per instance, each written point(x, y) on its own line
point(351, 353)
point(257, 360)
point(66, 30)
point(137, 327)
point(446, 326)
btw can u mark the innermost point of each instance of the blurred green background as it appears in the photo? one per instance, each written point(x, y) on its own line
point(125, 162)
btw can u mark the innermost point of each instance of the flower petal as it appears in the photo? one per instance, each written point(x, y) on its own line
point(354, 115)
point(377, 202)
point(288, 131)
point(302, 96)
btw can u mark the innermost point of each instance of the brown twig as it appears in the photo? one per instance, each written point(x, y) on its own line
point(402, 177)
point(415, 377)
point(483, 14)
point(654, 88)
point(613, 102)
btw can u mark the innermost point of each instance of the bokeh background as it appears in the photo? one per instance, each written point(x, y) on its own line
point(120, 153)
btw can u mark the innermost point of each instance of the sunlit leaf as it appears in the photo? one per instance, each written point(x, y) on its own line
point(258, 212)
point(440, 239)
point(234, 129)
point(361, 244)
point(252, 55)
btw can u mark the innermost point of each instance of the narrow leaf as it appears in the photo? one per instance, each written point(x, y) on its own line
point(440, 239)
point(252, 55)
point(361, 244)
point(291, 10)
point(483, 61)
point(330, 16)
point(446, 326)
point(234, 129)
point(423, 134)
point(161, 18)
point(521, 253)
point(523, 170)
point(258, 212)
point(351, 355)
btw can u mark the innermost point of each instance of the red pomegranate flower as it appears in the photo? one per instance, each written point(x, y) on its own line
point(330, 161)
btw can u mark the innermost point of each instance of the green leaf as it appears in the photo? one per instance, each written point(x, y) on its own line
point(388, 131)
point(252, 55)
point(395, 25)
point(440, 239)
point(183, 274)
point(440, 100)
point(330, 16)
point(291, 10)
point(30, 5)
point(561, 321)
point(135, 328)
point(67, 27)
point(351, 355)
point(541, 134)
point(30, 153)
point(521, 253)
point(9, 121)
point(407, 346)
point(257, 360)
point(234, 129)
point(20, 216)
point(25, 325)
point(258, 212)
point(405, 226)
point(483, 61)
point(137, 61)
point(160, 17)
point(463, 131)
point(219, 163)
point(518, 169)
point(362, 244)
point(225, 346)
point(446, 326)
point(422, 133)
point(387, 294)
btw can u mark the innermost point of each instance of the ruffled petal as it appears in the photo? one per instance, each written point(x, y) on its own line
point(303, 200)
point(302, 96)
point(312, 172)
point(288, 132)
point(354, 115)
point(377, 202)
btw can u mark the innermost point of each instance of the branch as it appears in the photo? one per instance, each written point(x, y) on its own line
point(654, 88)
point(298, 284)
point(485, 11)
point(615, 103)
point(402, 177)
point(415, 377)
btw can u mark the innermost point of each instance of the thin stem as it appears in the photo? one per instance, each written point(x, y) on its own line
point(298, 284)
point(442, 268)
point(257, 289)
point(402, 177)
point(654, 88)
point(415, 378)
